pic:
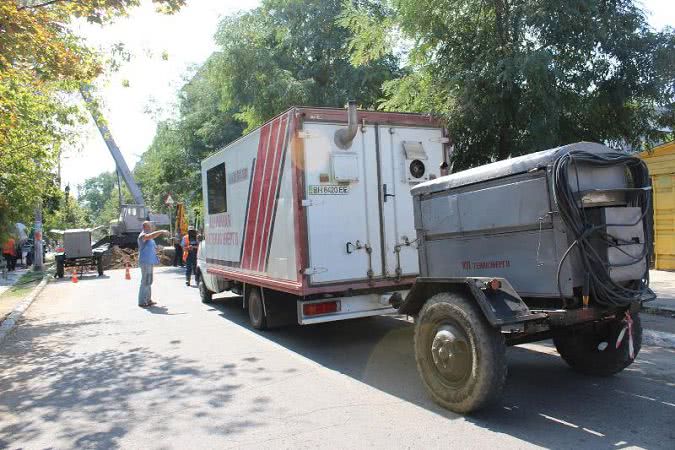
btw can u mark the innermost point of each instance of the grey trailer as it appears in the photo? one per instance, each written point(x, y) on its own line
point(554, 244)
point(77, 252)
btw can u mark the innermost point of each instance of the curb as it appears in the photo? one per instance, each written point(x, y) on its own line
point(10, 322)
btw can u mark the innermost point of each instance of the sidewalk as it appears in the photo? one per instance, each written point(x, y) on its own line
point(663, 284)
point(11, 293)
point(12, 277)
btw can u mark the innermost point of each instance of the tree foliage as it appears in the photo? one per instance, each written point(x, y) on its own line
point(40, 59)
point(284, 53)
point(515, 76)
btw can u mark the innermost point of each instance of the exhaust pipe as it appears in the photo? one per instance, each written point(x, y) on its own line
point(345, 136)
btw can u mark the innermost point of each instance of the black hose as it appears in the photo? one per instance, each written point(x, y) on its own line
point(603, 289)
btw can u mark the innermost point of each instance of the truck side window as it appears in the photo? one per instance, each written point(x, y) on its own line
point(215, 182)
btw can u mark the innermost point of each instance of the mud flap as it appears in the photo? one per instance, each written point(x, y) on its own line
point(501, 307)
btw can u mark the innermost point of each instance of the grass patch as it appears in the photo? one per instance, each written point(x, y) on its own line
point(27, 282)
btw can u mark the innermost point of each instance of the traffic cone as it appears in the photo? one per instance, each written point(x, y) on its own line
point(73, 276)
point(127, 274)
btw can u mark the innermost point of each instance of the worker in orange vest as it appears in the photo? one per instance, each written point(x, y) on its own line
point(9, 253)
point(190, 245)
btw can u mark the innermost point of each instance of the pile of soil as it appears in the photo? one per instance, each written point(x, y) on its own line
point(117, 258)
point(165, 255)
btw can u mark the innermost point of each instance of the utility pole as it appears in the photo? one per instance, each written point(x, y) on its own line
point(38, 262)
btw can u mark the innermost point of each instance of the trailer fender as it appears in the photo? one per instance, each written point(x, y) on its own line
point(502, 307)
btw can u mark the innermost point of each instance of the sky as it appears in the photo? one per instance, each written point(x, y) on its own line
point(132, 112)
point(187, 38)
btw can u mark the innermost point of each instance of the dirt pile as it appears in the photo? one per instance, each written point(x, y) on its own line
point(117, 258)
point(165, 255)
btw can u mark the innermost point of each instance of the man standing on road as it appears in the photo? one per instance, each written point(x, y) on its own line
point(147, 258)
point(9, 253)
point(190, 246)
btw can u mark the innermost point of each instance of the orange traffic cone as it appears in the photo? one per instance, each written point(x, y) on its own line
point(127, 274)
point(73, 276)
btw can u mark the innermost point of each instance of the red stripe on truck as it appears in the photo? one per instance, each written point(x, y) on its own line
point(254, 201)
point(267, 175)
point(273, 182)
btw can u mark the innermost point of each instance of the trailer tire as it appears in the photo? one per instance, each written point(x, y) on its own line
point(59, 267)
point(204, 293)
point(580, 348)
point(461, 358)
point(256, 310)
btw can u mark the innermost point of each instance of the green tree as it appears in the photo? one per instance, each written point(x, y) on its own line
point(94, 192)
point(284, 53)
point(40, 59)
point(290, 52)
point(515, 76)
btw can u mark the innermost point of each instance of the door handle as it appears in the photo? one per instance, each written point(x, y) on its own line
point(384, 193)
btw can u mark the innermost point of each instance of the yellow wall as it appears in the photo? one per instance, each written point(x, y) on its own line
point(661, 163)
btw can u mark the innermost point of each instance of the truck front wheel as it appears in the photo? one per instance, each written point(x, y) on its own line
point(460, 357)
point(593, 351)
point(204, 293)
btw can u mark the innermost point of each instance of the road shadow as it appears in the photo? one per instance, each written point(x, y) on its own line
point(544, 403)
point(52, 391)
point(162, 310)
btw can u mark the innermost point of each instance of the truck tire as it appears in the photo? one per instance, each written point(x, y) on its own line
point(256, 310)
point(583, 349)
point(99, 266)
point(59, 267)
point(460, 357)
point(204, 293)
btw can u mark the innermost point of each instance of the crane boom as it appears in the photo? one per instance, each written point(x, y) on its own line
point(122, 167)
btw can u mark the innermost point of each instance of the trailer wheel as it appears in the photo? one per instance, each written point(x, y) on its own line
point(460, 357)
point(59, 267)
point(256, 311)
point(99, 266)
point(592, 350)
point(204, 293)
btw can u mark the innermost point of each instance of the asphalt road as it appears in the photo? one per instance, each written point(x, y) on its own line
point(87, 368)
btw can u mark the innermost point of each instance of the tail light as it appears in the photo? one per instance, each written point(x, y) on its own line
point(315, 309)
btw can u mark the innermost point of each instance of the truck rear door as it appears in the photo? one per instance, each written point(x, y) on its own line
point(342, 206)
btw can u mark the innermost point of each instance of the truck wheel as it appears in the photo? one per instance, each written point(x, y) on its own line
point(99, 266)
point(256, 311)
point(204, 293)
point(460, 357)
point(59, 267)
point(592, 350)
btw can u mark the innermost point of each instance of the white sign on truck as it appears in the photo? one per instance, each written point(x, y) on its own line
point(310, 216)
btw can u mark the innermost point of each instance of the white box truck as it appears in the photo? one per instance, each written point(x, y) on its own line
point(310, 216)
point(311, 219)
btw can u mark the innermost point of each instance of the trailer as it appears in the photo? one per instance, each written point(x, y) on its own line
point(310, 217)
point(77, 252)
point(554, 244)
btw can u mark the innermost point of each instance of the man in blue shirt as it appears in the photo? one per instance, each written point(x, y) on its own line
point(147, 258)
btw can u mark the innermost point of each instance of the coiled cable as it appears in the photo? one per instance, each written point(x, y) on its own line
point(603, 289)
